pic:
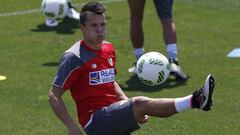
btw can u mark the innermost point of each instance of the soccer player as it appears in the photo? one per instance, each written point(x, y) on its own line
point(88, 70)
point(164, 10)
point(71, 13)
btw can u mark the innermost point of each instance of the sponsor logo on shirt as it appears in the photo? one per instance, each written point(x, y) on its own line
point(101, 77)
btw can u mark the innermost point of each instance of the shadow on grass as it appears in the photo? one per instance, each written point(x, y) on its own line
point(51, 64)
point(134, 84)
point(65, 26)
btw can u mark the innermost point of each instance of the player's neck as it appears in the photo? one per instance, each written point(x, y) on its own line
point(92, 45)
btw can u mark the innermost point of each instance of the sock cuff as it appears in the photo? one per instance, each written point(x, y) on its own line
point(183, 103)
point(172, 47)
point(138, 52)
point(172, 51)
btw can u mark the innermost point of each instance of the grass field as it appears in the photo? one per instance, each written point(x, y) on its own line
point(207, 31)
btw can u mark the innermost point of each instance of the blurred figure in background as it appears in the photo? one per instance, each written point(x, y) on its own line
point(164, 10)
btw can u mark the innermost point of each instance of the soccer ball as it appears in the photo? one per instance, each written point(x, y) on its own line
point(54, 9)
point(153, 68)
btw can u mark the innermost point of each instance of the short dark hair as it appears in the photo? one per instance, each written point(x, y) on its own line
point(93, 7)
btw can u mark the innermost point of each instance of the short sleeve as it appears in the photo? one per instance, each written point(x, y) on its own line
point(66, 74)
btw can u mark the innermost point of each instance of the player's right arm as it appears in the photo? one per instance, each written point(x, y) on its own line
point(59, 108)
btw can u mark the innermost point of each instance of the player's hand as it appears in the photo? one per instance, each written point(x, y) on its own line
point(144, 119)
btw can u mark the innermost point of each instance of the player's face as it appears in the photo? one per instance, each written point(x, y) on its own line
point(94, 30)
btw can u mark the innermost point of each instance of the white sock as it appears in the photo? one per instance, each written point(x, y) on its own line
point(138, 52)
point(172, 51)
point(183, 103)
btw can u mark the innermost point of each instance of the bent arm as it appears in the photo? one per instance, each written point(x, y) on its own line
point(56, 102)
point(120, 94)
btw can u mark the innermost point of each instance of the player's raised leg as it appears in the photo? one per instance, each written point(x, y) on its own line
point(165, 107)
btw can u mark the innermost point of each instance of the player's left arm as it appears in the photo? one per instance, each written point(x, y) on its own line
point(119, 92)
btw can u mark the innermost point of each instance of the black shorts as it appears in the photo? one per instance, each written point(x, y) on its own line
point(116, 119)
point(164, 8)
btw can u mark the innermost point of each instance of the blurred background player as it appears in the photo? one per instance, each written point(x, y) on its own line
point(164, 10)
point(69, 12)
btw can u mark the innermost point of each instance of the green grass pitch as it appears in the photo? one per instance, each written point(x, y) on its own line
point(207, 31)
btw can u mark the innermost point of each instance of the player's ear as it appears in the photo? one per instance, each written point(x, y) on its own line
point(81, 27)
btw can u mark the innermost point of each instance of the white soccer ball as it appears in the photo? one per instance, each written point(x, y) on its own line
point(153, 68)
point(54, 9)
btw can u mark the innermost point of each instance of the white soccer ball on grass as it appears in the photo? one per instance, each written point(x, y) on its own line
point(153, 68)
point(54, 9)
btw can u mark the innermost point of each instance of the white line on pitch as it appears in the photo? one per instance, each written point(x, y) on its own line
point(38, 10)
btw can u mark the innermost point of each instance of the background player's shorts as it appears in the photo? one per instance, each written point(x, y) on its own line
point(116, 119)
point(164, 8)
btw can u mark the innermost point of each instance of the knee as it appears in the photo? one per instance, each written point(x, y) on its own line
point(140, 103)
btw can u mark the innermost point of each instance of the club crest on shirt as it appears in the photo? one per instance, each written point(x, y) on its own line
point(110, 61)
point(94, 65)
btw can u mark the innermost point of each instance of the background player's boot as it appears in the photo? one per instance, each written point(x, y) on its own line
point(51, 23)
point(176, 70)
point(133, 69)
point(72, 13)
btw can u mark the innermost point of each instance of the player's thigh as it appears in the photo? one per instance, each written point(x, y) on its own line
point(164, 8)
point(116, 119)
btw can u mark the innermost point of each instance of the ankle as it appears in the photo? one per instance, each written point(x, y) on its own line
point(196, 99)
point(175, 61)
point(183, 103)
